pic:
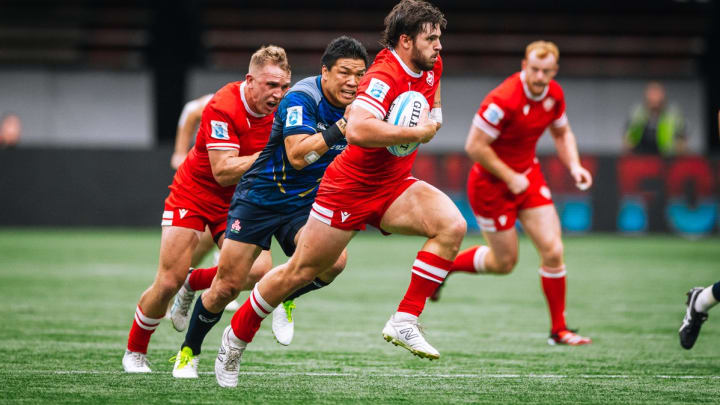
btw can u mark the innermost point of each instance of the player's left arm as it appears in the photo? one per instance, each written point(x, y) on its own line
point(436, 111)
point(305, 149)
point(567, 151)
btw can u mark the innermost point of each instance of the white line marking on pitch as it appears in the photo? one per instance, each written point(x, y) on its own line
point(323, 374)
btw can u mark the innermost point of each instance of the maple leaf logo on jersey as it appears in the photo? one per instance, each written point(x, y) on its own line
point(430, 79)
point(236, 226)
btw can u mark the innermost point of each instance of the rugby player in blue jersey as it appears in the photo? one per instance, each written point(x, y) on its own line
point(275, 196)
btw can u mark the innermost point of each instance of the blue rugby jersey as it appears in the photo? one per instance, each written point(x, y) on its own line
point(271, 181)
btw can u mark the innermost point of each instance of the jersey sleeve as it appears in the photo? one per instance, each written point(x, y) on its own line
point(491, 116)
point(376, 93)
point(219, 129)
point(298, 114)
point(560, 119)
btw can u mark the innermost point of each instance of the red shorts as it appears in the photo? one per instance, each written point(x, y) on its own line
point(182, 213)
point(346, 204)
point(495, 206)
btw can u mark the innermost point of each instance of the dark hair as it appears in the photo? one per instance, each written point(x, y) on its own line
point(343, 47)
point(409, 17)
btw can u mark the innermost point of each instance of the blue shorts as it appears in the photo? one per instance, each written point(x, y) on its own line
point(256, 225)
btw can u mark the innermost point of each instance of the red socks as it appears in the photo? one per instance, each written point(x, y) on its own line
point(246, 321)
point(471, 260)
point(201, 279)
point(553, 285)
point(140, 332)
point(428, 272)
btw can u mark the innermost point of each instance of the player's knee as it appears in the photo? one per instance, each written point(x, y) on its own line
point(553, 253)
point(505, 265)
point(167, 285)
point(453, 230)
point(225, 292)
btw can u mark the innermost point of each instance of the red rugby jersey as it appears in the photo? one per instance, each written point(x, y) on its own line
point(387, 78)
point(517, 119)
point(227, 123)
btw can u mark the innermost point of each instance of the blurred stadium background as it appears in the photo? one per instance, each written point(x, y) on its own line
point(99, 86)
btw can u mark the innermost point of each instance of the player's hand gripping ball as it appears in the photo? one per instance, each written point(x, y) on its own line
point(405, 112)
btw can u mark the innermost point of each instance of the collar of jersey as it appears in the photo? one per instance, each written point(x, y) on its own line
point(404, 66)
point(528, 94)
point(247, 108)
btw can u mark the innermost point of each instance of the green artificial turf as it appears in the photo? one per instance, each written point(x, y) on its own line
point(68, 298)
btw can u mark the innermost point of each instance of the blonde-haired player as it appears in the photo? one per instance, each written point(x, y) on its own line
point(506, 183)
point(235, 126)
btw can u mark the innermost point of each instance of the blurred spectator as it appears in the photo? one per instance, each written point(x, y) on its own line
point(655, 127)
point(10, 130)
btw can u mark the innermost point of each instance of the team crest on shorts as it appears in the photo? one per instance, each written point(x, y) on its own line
point(235, 227)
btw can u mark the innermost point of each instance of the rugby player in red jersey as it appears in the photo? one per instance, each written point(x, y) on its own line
point(198, 279)
point(506, 183)
point(367, 184)
point(235, 127)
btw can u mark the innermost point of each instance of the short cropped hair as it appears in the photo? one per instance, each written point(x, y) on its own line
point(409, 17)
point(269, 55)
point(343, 47)
point(543, 48)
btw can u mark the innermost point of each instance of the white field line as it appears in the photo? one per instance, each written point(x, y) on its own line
point(406, 375)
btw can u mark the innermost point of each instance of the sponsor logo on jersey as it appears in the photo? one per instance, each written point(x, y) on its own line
point(549, 103)
point(344, 215)
point(526, 109)
point(235, 227)
point(338, 147)
point(378, 89)
point(294, 116)
point(430, 79)
point(219, 130)
point(321, 126)
point(493, 114)
point(502, 219)
point(182, 212)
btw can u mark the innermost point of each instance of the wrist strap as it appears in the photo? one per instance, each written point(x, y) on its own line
point(332, 135)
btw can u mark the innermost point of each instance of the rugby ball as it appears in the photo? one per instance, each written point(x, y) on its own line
point(405, 112)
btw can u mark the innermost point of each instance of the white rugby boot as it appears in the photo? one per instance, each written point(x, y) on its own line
point(135, 362)
point(232, 306)
point(186, 364)
point(180, 311)
point(283, 326)
point(403, 330)
point(227, 362)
